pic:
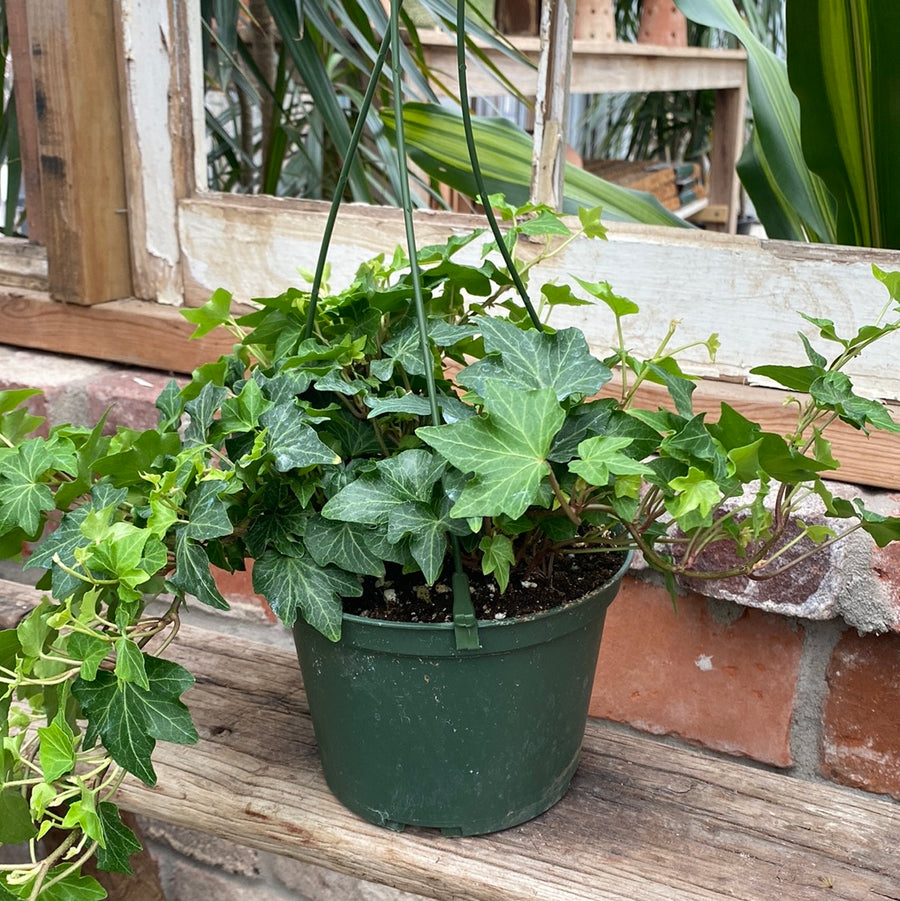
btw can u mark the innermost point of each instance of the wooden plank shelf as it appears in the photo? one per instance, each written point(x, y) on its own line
point(643, 819)
point(600, 67)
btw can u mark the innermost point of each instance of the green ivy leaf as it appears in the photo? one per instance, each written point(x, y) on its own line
point(506, 449)
point(129, 719)
point(33, 631)
point(23, 497)
point(57, 749)
point(170, 405)
point(292, 442)
point(601, 457)
point(83, 815)
point(279, 528)
point(215, 312)
point(91, 650)
point(15, 818)
point(498, 557)
point(298, 584)
point(590, 222)
point(42, 796)
point(695, 492)
point(352, 546)
point(192, 575)
point(406, 350)
point(545, 223)
point(680, 387)
point(562, 296)
point(796, 378)
point(207, 512)
point(119, 842)
point(427, 531)
point(202, 410)
point(374, 497)
point(621, 306)
point(834, 391)
point(693, 444)
point(531, 359)
point(241, 413)
point(72, 887)
point(130, 665)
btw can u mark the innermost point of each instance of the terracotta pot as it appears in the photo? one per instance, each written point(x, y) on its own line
point(595, 20)
point(662, 24)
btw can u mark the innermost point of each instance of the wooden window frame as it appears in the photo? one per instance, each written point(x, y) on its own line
point(128, 233)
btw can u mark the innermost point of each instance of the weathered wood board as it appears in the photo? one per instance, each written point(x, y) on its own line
point(643, 820)
point(749, 291)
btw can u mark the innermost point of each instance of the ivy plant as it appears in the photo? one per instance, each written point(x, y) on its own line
point(320, 458)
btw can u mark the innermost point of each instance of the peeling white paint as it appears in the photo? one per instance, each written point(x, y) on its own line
point(704, 663)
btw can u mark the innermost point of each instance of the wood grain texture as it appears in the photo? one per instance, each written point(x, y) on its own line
point(155, 336)
point(749, 291)
point(22, 264)
point(79, 137)
point(597, 66)
point(134, 332)
point(643, 820)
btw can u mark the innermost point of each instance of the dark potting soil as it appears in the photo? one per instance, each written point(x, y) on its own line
point(404, 597)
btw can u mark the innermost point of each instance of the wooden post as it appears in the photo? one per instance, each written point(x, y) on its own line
point(23, 86)
point(552, 102)
point(155, 44)
point(79, 131)
point(727, 144)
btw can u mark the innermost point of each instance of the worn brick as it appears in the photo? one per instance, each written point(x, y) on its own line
point(189, 882)
point(61, 379)
point(129, 395)
point(724, 681)
point(862, 713)
point(318, 884)
point(886, 573)
point(203, 848)
point(237, 589)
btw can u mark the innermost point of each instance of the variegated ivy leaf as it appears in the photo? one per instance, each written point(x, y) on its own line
point(192, 575)
point(406, 350)
point(207, 512)
point(202, 410)
point(427, 531)
point(374, 496)
point(23, 496)
point(450, 406)
point(529, 359)
point(352, 546)
point(506, 449)
point(297, 584)
point(292, 442)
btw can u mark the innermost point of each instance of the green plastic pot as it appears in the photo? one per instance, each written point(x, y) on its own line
point(412, 731)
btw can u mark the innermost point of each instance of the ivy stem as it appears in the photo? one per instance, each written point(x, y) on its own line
point(44, 866)
point(561, 498)
point(75, 865)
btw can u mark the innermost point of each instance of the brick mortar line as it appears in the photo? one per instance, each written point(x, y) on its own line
point(807, 735)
